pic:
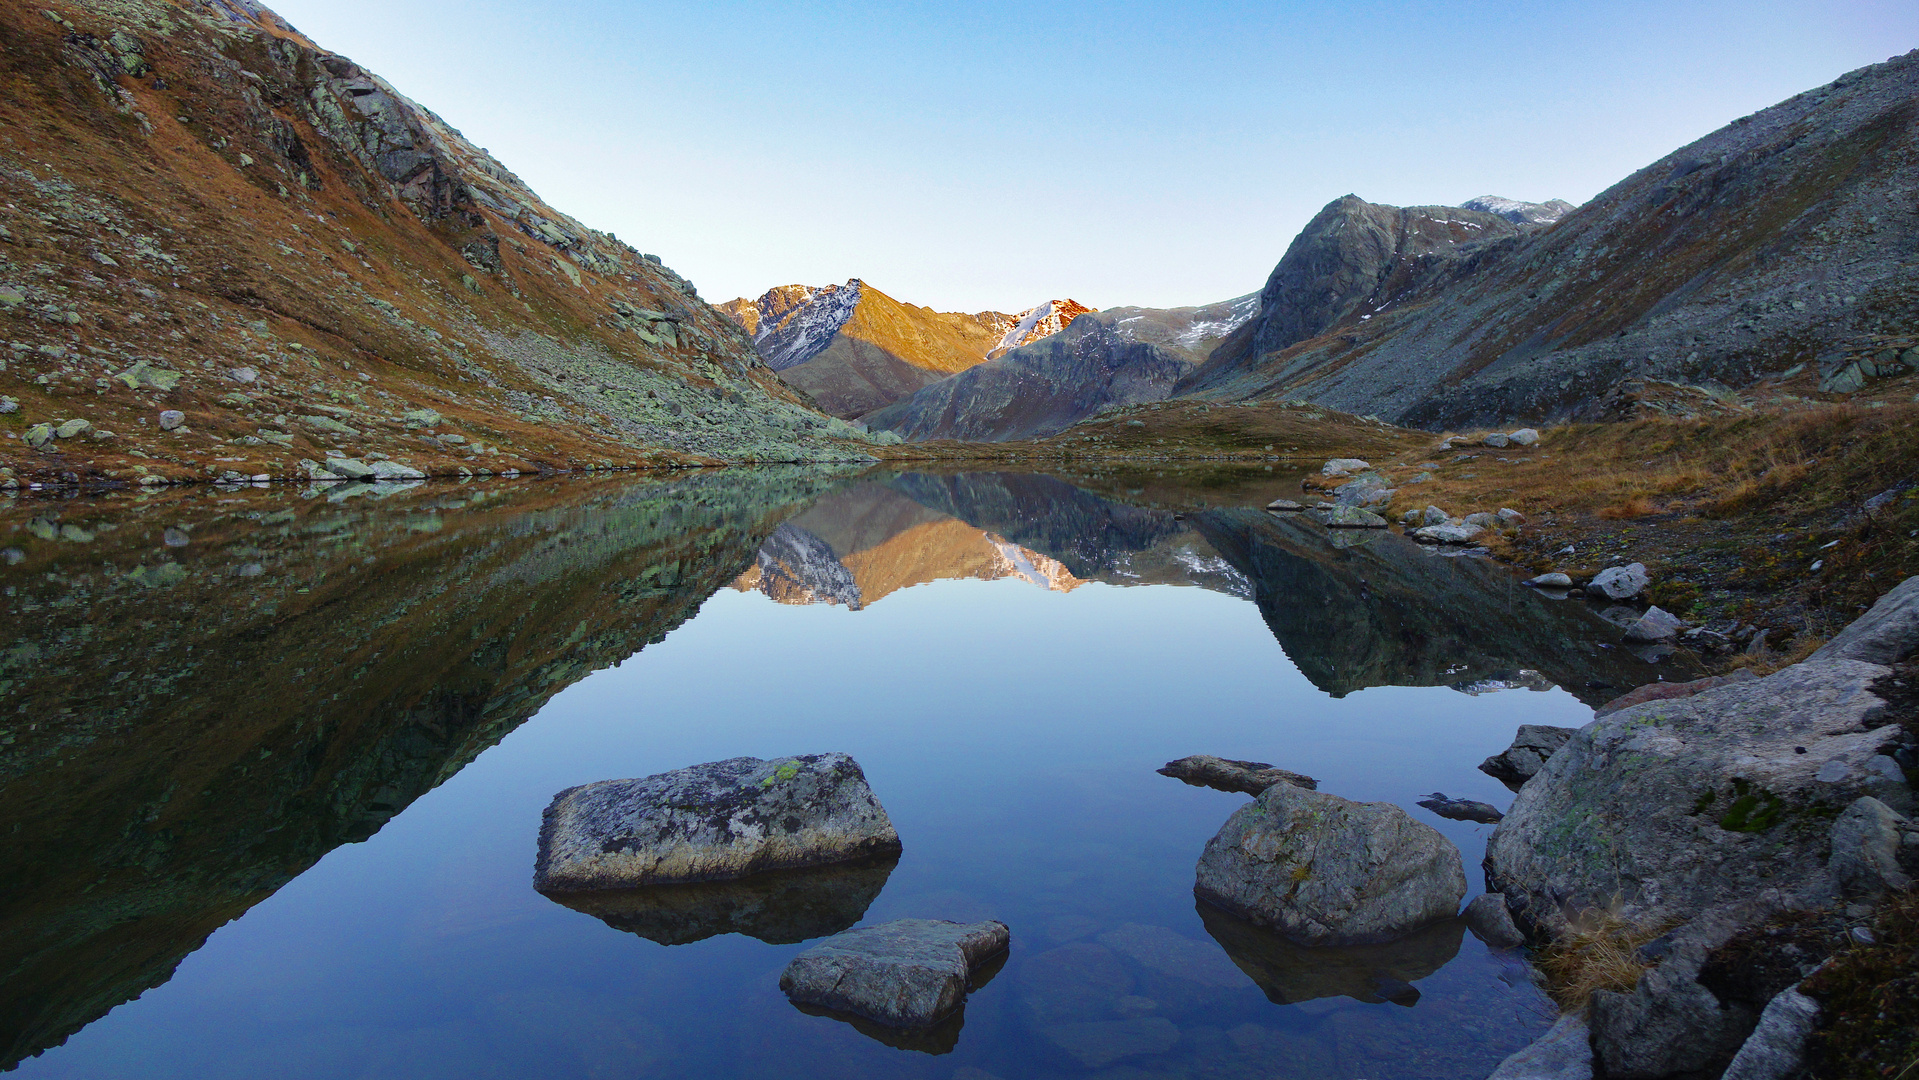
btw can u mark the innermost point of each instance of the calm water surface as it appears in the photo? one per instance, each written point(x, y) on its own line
point(321, 731)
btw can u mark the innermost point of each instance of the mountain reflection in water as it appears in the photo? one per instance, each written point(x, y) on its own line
point(208, 690)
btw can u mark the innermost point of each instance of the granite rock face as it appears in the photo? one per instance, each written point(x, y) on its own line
point(1517, 763)
point(1324, 870)
point(1226, 774)
point(1665, 809)
point(910, 973)
point(712, 822)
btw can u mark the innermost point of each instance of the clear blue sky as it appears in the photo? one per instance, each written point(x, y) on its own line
point(991, 155)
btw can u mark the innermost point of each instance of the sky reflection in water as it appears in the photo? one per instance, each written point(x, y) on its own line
point(1010, 729)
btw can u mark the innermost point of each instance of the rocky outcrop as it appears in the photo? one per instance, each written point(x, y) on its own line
point(1120, 356)
point(712, 822)
point(1715, 813)
point(1226, 774)
point(1038, 321)
point(1760, 247)
point(1353, 260)
point(909, 973)
point(1323, 870)
point(1534, 744)
point(301, 232)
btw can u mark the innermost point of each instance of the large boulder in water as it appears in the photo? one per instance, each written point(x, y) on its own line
point(712, 822)
point(909, 973)
point(1323, 870)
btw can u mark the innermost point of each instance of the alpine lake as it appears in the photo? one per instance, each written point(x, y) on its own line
point(273, 761)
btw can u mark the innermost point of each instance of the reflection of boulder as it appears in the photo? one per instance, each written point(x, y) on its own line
point(781, 908)
point(1290, 973)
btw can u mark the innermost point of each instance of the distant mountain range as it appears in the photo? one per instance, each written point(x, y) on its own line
point(1782, 242)
point(855, 349)
point(1785, 238)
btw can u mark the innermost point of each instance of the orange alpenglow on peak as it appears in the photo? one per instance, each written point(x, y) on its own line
point(855, 349)
point(1034, 323)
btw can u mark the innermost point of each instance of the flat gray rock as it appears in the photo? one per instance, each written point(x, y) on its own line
point(712, 822)
point(1226, 774)
point(1885, 635)
point(1349, 517)
point(1283, 506)
point(1551, 581)
point(1517, 763)
point(1776, 1049)
point(910, 973)
point(1448, 534)
point(1620, 582)
point(1657, 624)
point(1329, 871)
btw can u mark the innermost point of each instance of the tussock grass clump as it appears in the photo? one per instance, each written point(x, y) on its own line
point(1602, 953)
point(1869, 1027)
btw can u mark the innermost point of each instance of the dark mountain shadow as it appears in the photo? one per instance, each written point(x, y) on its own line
point(209, 690)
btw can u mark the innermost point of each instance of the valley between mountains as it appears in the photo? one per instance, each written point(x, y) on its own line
point(1661, 444)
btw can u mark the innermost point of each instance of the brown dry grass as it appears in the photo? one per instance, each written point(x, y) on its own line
point(1601, 954)
point(1636, 506)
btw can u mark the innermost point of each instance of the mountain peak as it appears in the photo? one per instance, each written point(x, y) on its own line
point(1518, 211)
point(1041, 320)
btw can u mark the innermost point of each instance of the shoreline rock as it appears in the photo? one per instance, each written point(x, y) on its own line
point(1461, 809)
point(1530, 749)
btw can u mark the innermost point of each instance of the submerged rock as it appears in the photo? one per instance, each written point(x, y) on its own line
point(1290, 973)
point(910, 973)
point(1534, 744)
point(712, 822)
point(1461, 809)
point(1489, 918)
point(1226, 774)
point(1329, 871)
point(1564, 1053)
point(781, 907)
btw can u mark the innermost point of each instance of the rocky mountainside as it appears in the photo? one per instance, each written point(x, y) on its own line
point(1120, 356)
point(1786, 238)
point(855, 349)
point(226, 252)
point(1352, 261)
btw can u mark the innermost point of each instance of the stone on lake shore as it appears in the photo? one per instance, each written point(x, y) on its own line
point(1563, 1053)
point(1448, 534)
point(712, 822)
point(909, 973)
point(1284, 505)
point(1657, 624)
point(1550, 581)
point(1620, 582)
point(1337, 466)
point(1226, 774)
point(1349, 517)
point(1329, 871)
point(1530, 748)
